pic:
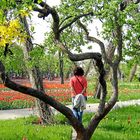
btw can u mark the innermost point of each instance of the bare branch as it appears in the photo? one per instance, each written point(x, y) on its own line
point(42, 12)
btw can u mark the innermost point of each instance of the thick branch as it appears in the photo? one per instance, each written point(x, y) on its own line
point(79, 57)
point(45, 12)
point(119, 42)
point(42, 12)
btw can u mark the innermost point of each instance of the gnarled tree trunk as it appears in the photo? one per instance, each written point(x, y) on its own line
point(110, 53)
point(35, 77)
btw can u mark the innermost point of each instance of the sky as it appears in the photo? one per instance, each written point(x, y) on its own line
point(42, 26)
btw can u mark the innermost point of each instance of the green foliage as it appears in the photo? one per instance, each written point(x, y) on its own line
point(73, 8)
point(52, 56)
point(13, 62)
point(74, 38)
point(37, 55)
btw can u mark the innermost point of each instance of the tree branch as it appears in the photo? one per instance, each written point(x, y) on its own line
point(74, 19)
point(45, 12)
point(93, 39)
point(79, 57)
point(64, 20)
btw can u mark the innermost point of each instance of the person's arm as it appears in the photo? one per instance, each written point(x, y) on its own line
point(72, 90)
point(72, 87)
point(84, 90)
point(85, 86)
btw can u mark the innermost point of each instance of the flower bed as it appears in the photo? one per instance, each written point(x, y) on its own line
point(12, 99)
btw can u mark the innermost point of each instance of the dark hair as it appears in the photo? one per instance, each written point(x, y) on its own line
point(78, 71)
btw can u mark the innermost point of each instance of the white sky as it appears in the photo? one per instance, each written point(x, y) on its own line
point(42, 26)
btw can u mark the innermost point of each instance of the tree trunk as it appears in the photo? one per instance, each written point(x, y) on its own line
point(110, 53)
point(97, 90)
point(88, 68)
point(35, 78)
point(132, 72)
point(119, 73)
point(61, 63)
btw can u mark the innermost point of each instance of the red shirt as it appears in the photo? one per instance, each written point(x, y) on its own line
point(77, 86)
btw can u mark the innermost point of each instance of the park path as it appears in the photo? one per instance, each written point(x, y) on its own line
point(17, 113)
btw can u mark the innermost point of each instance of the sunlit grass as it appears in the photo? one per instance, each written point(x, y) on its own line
point(23, 128)
point(120, 124)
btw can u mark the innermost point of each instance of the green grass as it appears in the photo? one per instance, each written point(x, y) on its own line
point(127, 91)
point(19, 128)
point(120, 124)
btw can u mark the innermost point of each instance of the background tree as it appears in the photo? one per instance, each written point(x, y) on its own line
point(34, 73)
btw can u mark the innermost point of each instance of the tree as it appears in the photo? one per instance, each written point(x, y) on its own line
point(113, 31)
point(35, 75)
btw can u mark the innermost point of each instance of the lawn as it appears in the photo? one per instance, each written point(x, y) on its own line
point(27, 129)
point(127, 91)
point(120, 124)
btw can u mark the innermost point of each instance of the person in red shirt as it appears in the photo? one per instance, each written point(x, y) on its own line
point(78, 85)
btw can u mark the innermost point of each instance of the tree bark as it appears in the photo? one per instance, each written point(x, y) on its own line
point(119, 73)
point(132, 72)
point(88, 68)
point(110, 53)
point(61, 67)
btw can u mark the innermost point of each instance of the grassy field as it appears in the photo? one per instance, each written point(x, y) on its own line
point(121, 124)
point(127, 91)
point(24, 129)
